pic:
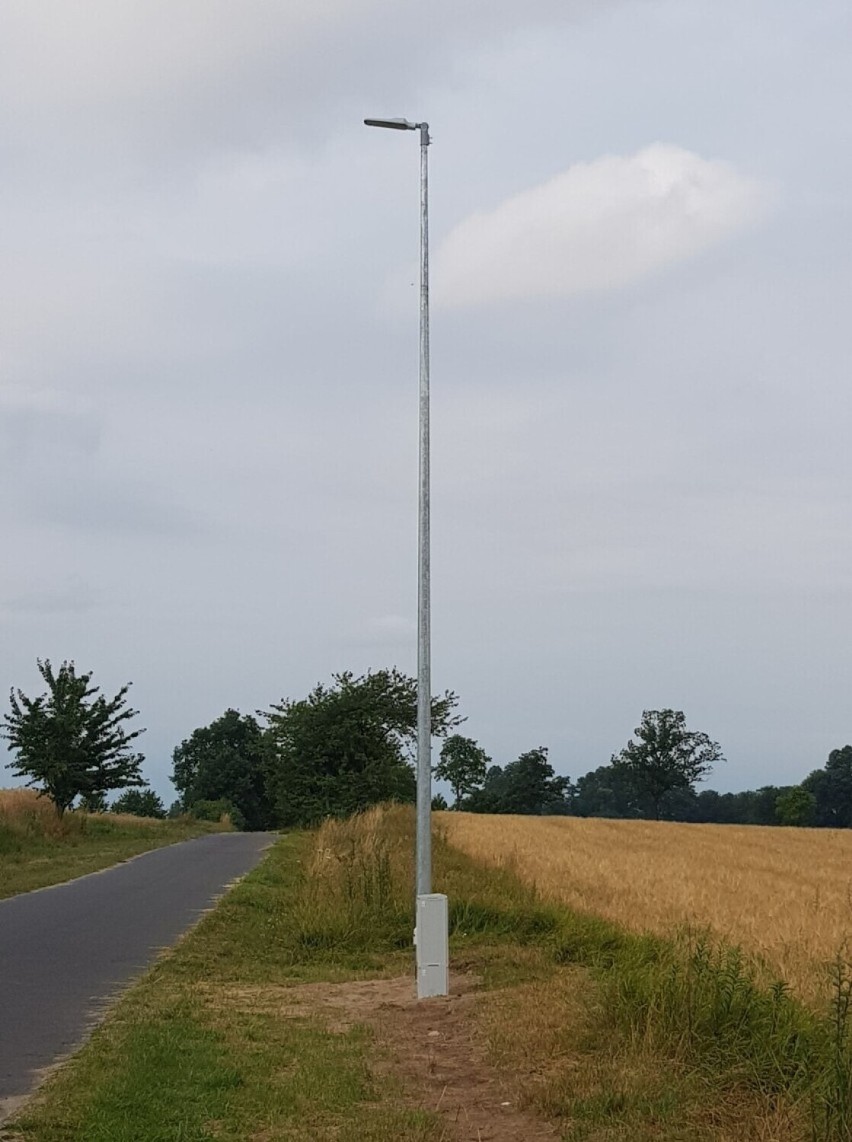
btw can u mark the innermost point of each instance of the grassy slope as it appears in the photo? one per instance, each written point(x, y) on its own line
point(38, 849)
point(613, 1035)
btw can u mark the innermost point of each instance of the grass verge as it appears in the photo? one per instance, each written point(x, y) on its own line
point(38, 848)
point(198, 1050)
point(611, 1035)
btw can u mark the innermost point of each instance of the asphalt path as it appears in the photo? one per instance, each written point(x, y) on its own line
point(66, 951)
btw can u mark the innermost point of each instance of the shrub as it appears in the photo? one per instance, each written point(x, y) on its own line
point(218, 811)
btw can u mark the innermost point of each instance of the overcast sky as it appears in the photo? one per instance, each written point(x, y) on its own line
point(642, 259)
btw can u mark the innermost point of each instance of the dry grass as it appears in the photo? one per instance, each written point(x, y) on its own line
point(25, 813)
point(38, 847)
point(783, 894)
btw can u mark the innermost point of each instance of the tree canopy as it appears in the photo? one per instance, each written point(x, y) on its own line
point(226, 761)
point(348, 745)
point(796, 807)
point(527, 785)
point(463, 766)
point(607, 791)
point(72, 741)
point(139, 803)
point(831, 788)
point(666, 757)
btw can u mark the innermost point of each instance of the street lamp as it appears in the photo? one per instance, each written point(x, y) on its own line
point(430, 934)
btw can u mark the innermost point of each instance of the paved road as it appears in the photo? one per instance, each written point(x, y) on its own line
point(65, 951)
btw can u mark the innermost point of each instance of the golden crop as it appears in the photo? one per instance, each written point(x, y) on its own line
point(783, 894)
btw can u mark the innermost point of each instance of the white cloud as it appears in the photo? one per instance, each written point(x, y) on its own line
point(596, 226)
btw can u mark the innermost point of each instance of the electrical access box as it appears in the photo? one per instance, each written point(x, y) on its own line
point(432, 939)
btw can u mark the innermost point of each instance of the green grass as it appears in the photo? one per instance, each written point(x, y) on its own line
point(30, 860)
point(715, 1039)
point(181, 1078)
point(613, 1036)
point(185, 1056)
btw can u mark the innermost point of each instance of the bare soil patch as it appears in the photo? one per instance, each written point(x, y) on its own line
point(429, 1046)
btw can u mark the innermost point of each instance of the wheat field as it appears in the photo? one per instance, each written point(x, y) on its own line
point(783, 894)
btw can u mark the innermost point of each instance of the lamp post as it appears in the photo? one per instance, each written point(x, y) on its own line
point(430, 935)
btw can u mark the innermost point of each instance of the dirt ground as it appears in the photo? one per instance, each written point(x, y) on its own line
point(431, 1047)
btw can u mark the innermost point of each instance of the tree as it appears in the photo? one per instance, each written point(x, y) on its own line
point(226, 760)
point(139, 803)
point(666, 757)
point(832, 789)
point(348, 745)
point(796, 807)
point(94, 802)
point(528, 785)
point(217, 811)
point(607, 791)
point(463, 765)
point(489, 798)
point(72, 741)
point(760, 806)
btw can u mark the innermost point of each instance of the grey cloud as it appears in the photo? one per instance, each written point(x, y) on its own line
point(640, 496)
point(31, 431)
point(201, 73)
point(387, 634)
point(71, 595)
point(111, 506)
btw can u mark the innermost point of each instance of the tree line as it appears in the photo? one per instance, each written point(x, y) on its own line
point(350, 744)
point(344, 747)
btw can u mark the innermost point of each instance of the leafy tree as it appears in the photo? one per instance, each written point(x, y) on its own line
point(463, 765)
point(796, 807)
point(749, 807)
point(666, 757)
point(607, 791)
point(226, 760)
point(531, 785)
point(528, 785)
point(94, 802)
point(489, 798)
point(139, 803)
point(715, 808)
point(216, 810)
point(72, 741)
point(760, 806)
point(347, 745)
point(439, 803)
point(832, 790)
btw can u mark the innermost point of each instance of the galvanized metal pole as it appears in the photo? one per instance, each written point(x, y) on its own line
point(424, 681)
point(431, 933)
